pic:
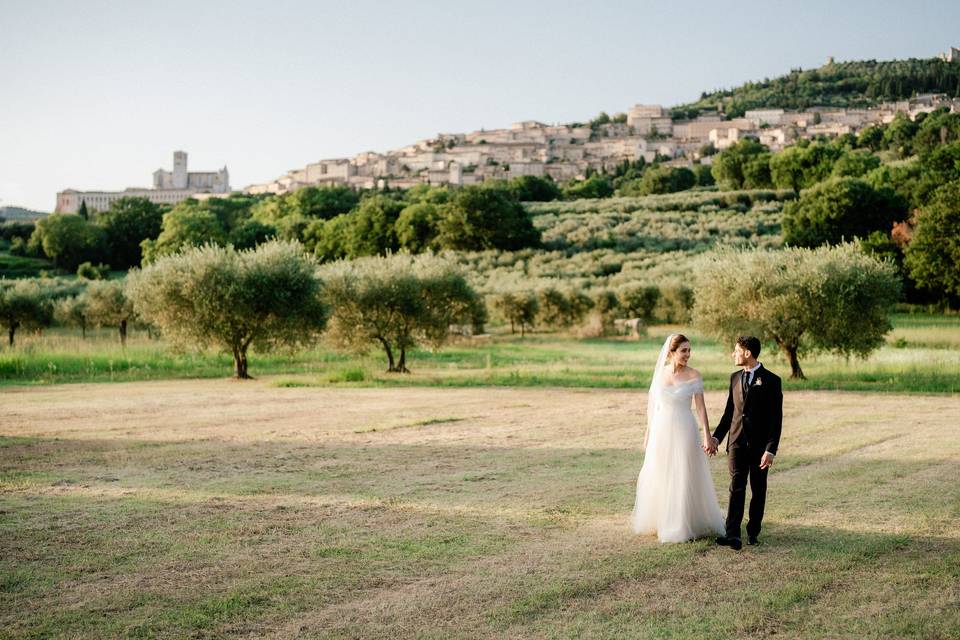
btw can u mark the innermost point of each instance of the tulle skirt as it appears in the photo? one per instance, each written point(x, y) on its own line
point(676, 498)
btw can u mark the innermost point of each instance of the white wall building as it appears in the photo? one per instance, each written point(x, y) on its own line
point(169, 187)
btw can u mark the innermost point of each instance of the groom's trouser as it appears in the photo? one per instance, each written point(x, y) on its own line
point(744, 462)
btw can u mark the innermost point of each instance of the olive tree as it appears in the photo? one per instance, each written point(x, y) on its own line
point(562, 308)
point(519, 308)
point(73, 312)
point(23, 303)
point(396, 302)
point(268, 297)
point(107, 304)
point(834, 299)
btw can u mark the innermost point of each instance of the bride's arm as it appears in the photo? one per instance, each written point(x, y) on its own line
point(702, 415)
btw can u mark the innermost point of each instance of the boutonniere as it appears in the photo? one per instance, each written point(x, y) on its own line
point(757, 382)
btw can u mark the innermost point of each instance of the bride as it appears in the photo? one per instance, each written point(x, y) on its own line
point(675, 494)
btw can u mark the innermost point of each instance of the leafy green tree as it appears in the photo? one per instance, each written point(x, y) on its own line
point(87, 271)
point(250, 234)
point(372, 230)
point(898, 135)
point(704, 175)
point(674, 304)
point(595, 186)
point(534, 189)
point(126, 224)
point(939, 128)
point(639, 301)
point(427, 194)
point(937, 168)
point(268, 297)
point(480, 218)
point(557, 308)
point(291, 228)
point(73, 312)
point(323, 202)
point(840, 209)
point(834, 299)
point(416, 226)
point(519, 308)
point(396, 302)
point(604, 310)
point(805, 164)
point(742, 162)
point(83, 212)
point(306, 203)
point(23, 303)
point(933, 256)
point(661, 179)
point(182, 229)
point(329, 239)
point(855, 164)
point(67, 239)
point(903, 178)
point(107, 305)
point(871, 138)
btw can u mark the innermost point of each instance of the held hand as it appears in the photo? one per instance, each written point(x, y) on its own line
point(766, 461)
point(710, 445)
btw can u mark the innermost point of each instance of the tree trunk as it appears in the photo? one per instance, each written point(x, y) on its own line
point(796, 373)
point(402, 363)
point(240, 363)
point(83, 329)
point(123, 334)
point(522, 332)
point(512, 330)
point(386, 347)
point(13, 330)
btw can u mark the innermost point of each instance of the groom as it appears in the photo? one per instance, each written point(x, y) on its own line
point(752, 418)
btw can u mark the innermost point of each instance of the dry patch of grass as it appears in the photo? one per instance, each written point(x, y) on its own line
point(224, 509)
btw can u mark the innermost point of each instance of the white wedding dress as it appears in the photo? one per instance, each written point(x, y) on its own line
point(676, 498)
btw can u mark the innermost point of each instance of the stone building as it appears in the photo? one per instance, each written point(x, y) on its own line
point(169, 187)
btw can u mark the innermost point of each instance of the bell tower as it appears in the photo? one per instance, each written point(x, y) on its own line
point(179, 169)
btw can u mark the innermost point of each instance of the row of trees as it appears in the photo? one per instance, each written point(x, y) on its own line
point(333, 222)
point(844, 84)
point(274, 296)
point(37, 303)
point(833, 299)
point(554, 307)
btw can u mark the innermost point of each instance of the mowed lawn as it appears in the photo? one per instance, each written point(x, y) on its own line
point(222, 509)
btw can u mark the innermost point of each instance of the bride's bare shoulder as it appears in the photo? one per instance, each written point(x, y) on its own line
point(694, 374)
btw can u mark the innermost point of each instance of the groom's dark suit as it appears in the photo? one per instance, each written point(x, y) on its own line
point(753, 418)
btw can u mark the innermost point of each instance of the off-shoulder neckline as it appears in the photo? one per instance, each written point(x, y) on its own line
point(697, 379)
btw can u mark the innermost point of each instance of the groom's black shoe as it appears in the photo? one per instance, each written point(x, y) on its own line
point(734, 543)
point(752, 540)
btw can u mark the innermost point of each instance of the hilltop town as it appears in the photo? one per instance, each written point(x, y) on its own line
point(680, 138)
point(565, 152)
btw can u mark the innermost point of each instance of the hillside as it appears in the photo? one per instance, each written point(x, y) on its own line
point(19, 214)
point(835, 84)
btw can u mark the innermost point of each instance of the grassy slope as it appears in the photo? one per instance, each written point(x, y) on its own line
point(215, 509)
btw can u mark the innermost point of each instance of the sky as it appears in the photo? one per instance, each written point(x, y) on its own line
point(96, 95)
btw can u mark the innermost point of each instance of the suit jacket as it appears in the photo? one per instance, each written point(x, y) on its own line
point(754, 418)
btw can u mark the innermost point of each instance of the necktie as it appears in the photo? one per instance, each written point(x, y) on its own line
point(746, 382)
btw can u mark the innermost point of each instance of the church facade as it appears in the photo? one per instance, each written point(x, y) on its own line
point(169, 187)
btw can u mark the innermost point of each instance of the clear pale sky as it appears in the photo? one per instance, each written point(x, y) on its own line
point(98, 94)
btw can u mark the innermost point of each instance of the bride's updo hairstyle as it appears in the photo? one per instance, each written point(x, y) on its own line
point(678, 339)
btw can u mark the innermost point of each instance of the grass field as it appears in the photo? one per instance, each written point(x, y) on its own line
point(922, 355)
point(222, 509)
